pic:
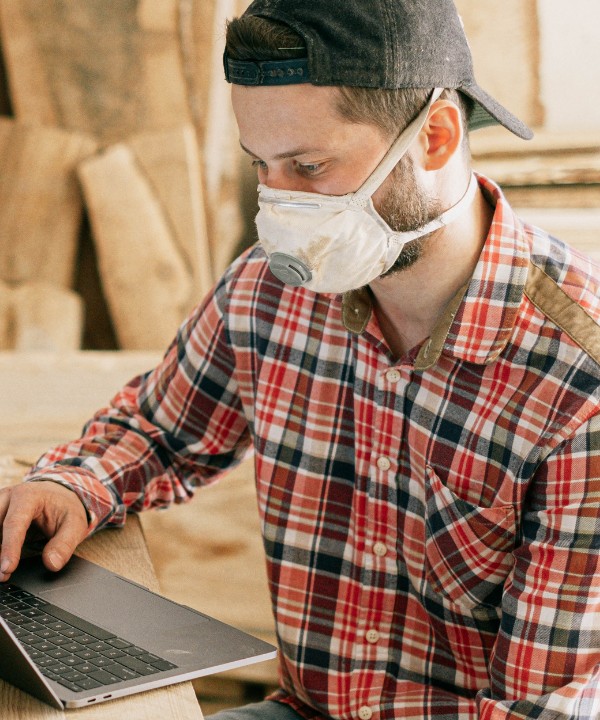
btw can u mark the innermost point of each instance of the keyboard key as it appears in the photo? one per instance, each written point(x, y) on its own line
point(58, 653)
point(60, 641)
point(73, 675)
point(59, 626)
point(133, 650)
point(68, 684)
point(32, 612)
point(98, 646)
point(85, 668)
point(19, 631)
point(87, 654)
point(113, 653)
point(84, 639)
point(73, 647)
point(17, 605)
point(45, 633)
point(60, 669)
point(121, 672)
point(140, 667)
point(46, 662)
point(48, 672)
point(8, 613)
point(88, 684)
point(18, 620)
point(163, 665)
point(35, 654)
point(148, 658)
point(119, 644)
point(103, 677)
point(71, 660)
point(28, 639)
point(46, 619)
point(22, 594)
point(101, 661)
point(73, 633)
point(32, 626)
point(46, 646)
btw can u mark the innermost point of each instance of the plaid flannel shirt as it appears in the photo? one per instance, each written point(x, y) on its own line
point(432, 524)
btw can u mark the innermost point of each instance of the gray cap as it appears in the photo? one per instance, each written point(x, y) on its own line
point(376, 43)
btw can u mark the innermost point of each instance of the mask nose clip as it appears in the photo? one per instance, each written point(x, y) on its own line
point(289, 269)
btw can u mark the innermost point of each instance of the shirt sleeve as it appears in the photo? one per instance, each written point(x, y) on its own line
point(166, 432)
point(546, 661)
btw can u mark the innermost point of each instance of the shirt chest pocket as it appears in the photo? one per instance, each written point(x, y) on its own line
point(467, 548)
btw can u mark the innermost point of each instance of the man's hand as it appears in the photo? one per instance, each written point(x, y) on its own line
point(35, 510)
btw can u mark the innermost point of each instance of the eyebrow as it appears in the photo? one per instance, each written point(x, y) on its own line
point(283, 156)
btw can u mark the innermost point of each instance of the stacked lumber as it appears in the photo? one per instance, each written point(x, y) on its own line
point(39, 226)
point(145, 81)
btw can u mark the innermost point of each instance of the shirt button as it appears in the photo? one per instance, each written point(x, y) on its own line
point(379, 549)
point(383, 463)
point(365, 713)
point(393, 375)
point(372, 636)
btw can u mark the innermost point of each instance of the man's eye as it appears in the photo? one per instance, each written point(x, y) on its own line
point(311, 169)
point(260, 164)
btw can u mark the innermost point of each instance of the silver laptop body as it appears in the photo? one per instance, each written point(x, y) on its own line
point(103, 621)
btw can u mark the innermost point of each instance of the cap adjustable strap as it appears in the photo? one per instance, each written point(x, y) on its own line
point(267, 72)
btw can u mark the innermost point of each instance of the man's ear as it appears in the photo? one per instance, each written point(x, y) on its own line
point(442, 135)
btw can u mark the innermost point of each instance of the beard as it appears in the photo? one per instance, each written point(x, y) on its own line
point(406, 208)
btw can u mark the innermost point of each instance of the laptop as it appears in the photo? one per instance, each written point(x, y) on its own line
point(86, 635)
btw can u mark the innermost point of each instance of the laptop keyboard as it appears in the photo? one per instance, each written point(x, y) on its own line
point(69, 650)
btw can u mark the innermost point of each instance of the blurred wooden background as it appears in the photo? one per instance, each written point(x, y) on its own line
point(123, 196)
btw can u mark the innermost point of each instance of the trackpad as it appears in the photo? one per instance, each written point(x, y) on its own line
point(123, 608)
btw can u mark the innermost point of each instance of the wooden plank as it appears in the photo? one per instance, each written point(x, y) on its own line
point(563, 169)
point(47, 397)
point(146, 281)
point(45, 318)
point(498, 142)
point(552, 196)
point(106, 69)
point(5, 317)
point(124, 552)
point(170, 159)
point(578, 227)
point(504, 40)
point(202, 34)
point(41, 202)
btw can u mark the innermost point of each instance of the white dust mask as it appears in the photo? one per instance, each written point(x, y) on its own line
point(334, 244)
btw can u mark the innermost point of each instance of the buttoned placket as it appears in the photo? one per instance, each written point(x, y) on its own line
point(375, 619)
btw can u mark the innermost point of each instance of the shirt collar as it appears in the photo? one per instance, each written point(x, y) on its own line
point(479, 320)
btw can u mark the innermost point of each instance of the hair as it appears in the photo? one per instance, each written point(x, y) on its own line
point(391, 110)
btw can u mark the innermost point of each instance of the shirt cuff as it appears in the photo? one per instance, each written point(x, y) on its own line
point(98, 501)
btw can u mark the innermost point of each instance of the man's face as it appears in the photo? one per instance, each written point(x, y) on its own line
point(299, 142)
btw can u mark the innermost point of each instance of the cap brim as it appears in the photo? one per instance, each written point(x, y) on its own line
point(488, 112)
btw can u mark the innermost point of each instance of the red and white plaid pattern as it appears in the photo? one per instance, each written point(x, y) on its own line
point(453, 512)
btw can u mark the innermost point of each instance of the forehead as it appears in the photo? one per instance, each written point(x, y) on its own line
point(272, 120)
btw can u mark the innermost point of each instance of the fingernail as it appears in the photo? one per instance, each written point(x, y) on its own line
point(4, 565)
point(55, 560)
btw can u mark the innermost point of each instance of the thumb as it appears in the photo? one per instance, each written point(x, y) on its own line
point(61, 546)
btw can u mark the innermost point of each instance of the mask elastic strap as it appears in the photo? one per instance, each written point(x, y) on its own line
point(394, 155)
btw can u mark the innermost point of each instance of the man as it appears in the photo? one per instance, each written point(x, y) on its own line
point(417, 373)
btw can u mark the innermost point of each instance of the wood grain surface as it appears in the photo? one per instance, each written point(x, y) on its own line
point(122, 551)
point(41, 202)
point(144, 274)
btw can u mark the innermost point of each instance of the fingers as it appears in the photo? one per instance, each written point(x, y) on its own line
point(19, 510)
point(55, 510)
point(70, 531)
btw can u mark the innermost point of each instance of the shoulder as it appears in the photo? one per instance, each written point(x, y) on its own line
point(564, 286)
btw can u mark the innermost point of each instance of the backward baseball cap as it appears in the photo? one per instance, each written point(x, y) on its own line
point(376, 43)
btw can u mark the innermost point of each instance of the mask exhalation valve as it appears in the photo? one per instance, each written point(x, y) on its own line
point(289, 269)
